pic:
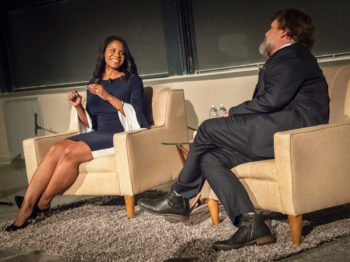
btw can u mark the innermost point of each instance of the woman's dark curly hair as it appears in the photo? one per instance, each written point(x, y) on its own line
point(128, 67)
point(298, 25)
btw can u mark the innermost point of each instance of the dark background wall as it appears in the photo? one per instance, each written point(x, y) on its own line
point(57, 42)
point(228, 33)
point(54, 43)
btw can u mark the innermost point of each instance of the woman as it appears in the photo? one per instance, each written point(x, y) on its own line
point(114, 104)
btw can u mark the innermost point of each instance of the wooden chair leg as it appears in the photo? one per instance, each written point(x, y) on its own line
point(130, 205)
point(295, 224)
point(213, 206)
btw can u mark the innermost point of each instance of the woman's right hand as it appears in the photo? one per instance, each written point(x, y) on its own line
point(74, 98)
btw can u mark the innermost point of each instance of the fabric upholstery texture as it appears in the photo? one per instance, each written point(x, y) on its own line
point(340, 96)
point(140, 161)
point(311, 167)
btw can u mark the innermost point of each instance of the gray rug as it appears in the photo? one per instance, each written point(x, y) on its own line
point(98, 230)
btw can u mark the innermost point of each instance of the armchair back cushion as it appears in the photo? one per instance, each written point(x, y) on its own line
point(155, 101)
point(339, 92)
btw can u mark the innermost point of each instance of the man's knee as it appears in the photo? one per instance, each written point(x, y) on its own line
point(206, 125)
point(206, 129)
point(208, 162)
point(215, 162)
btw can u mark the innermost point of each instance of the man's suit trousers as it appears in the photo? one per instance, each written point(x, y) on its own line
point(220, 144)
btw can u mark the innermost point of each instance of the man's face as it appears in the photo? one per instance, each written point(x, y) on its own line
point(272, 40)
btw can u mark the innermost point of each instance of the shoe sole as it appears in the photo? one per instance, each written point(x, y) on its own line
point(176, 218)
point(168, 217)
point(259, 241)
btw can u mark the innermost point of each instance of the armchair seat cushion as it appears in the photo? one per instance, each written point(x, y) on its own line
point(101, 164)
point(260, 180)
point(264, 170)
point(95, 183)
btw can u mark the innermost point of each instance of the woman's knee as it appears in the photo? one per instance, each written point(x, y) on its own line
point(69, 153)
point(75, 153)
point(57, 149)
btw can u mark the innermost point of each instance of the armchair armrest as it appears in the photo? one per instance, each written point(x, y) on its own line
point(36, 148)
point(313, 167)
point(143, 162)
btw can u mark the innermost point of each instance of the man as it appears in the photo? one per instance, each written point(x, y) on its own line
point(291, 93)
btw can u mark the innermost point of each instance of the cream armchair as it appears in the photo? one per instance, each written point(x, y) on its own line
point(311, 168)
point(140, 161)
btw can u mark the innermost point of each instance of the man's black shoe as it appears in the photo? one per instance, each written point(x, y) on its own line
point(252, 230)
point(171, 206)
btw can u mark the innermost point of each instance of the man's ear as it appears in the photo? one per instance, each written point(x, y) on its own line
point(284, 34)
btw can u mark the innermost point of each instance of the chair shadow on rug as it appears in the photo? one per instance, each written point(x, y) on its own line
point(325, 216)
point(313, 219)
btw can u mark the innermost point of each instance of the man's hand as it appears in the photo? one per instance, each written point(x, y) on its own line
point(225, 115)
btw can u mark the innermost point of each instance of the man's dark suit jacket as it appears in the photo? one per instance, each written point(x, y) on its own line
point(291, 93)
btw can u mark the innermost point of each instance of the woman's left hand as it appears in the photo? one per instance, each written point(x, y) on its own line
point(97, 89)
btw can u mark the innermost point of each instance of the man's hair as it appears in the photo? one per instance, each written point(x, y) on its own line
point(298, 25)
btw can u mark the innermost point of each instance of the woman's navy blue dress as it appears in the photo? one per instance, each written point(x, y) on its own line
point(105, 119)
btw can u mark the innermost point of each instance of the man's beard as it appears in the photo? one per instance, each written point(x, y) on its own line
point(265, 48)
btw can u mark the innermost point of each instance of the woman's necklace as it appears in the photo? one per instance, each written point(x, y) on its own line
point(113, 75)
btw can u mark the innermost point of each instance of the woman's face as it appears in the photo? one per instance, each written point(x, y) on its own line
point(114, 54)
